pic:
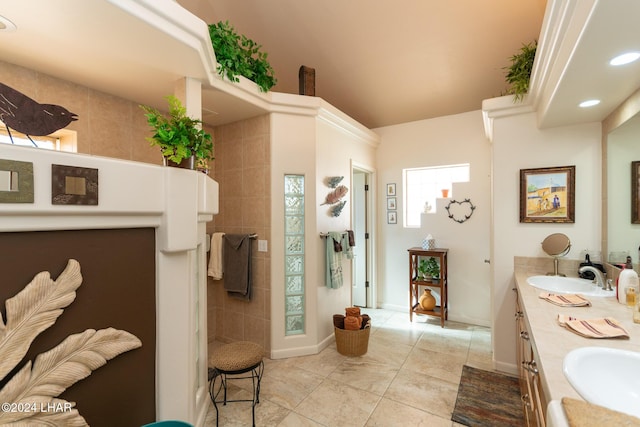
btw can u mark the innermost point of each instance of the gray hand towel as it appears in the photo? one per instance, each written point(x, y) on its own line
point(237, 265)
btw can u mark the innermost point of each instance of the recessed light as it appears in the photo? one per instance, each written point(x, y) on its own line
point(6, 25)
point(589, 103)
point(625, 58)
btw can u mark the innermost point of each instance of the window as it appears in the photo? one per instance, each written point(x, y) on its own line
point(60, 140)
point(424, 185)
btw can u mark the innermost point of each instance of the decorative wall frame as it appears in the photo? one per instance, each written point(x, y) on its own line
point(547, 194)
point(460, 211)
point(17, 179)
point(391, 203)
point(391, 189)
point(392, 217)
point(73, 185)
point(635, 192)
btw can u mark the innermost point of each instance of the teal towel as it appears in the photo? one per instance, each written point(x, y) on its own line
point(333, 278)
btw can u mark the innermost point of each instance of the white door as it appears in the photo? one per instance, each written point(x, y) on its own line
point(360, 251)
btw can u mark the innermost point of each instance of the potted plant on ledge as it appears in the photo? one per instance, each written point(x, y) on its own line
point(181, 138)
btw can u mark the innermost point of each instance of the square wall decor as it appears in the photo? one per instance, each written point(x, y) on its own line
point(73, 185)
point(16, 181)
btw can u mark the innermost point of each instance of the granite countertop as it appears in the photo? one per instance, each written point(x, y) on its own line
point(552, 342)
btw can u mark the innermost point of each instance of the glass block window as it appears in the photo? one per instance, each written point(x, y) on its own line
point(294, 254)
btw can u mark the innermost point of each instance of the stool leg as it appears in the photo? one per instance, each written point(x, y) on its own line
point(212, 393)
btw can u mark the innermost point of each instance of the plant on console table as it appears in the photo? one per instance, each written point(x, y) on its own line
point(430, 269)
point(179, 136)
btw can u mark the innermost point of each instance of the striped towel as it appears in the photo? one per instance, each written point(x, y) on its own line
point(606, 327)
point(565, 300)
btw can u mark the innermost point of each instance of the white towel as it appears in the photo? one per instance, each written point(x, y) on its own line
point(215, 257)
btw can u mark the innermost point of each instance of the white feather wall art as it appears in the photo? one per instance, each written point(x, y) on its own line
point(38, 384)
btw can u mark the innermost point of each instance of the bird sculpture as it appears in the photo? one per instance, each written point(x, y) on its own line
point(23, 114)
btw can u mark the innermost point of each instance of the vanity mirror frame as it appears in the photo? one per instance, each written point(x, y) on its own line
point(24, 192)
point(627, 111)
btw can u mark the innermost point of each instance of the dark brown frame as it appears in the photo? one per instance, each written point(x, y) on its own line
point(546, 210)
point(635, 188)
point(59, 193)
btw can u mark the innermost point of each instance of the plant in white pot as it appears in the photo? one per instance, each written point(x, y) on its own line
point(179, 136)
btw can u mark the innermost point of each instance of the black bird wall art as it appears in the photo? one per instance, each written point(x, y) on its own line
point(23, 114)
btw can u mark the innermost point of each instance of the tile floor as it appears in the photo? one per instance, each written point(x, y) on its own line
point(409, 377)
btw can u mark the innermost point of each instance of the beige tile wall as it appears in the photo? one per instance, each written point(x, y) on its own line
point(242, 168)
point(107, 125)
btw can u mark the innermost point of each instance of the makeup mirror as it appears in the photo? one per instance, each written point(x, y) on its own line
point(556, 245)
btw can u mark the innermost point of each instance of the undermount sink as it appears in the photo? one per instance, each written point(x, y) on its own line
point(569, 285)
point(605, 376)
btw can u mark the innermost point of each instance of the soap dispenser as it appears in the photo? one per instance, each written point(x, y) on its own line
point(628, 278)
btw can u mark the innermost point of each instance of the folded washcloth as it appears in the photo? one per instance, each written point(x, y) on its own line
point(352, 323)
point(606, 327)
point(566, 300)
point(352, 311)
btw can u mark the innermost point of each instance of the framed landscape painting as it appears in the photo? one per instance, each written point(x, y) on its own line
point(547, 194)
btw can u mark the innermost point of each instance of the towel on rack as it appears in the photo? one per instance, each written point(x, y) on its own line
point(352, 238)
point(346, 245)
point(237, 265)
point(215, 257)
point(333, 274)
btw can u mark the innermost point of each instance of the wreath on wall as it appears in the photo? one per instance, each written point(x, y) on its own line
point(460, 211)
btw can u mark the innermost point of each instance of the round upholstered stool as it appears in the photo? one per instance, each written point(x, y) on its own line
point(236, 359)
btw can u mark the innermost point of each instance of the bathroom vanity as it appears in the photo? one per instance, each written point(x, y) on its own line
point(543, 344)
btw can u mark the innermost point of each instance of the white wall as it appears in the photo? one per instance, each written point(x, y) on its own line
point(441, 141)
point(316, 146)
point(519, 144)
point(336, 150)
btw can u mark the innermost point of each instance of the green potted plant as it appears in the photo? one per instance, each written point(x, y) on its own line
point(238, 55)
point(432, 269)
point(519, 72)
point(179, 136)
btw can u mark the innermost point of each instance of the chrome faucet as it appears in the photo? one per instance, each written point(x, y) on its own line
point(599, 277)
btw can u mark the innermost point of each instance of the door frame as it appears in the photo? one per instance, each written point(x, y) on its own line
point(370, 201)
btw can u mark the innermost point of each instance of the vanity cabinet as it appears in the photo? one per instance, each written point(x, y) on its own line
point(531, 392)
point(416, 284)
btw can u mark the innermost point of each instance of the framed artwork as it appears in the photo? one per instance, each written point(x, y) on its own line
point(16, 181)
point(72, 185)
point(635, 188)
point(391, 203)
point(391, 217)
point(391, 189)
point(547, 194)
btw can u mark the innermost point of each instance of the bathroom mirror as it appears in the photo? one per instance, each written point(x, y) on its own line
point(556, 245)
point(622, 236)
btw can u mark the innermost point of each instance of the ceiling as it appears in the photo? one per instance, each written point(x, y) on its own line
point(382, 62)
point(379, 64)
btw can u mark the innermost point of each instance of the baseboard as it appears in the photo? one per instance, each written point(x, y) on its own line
point(469, 320)
point(303, 351)
point(508, 368)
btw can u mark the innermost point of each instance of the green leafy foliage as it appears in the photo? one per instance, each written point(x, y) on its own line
point(429, 267)
point(178, 136)
point(519, 73)
point(238, 55)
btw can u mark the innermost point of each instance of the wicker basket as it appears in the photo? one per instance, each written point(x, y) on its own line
point(352, 343)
